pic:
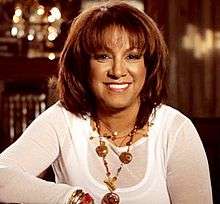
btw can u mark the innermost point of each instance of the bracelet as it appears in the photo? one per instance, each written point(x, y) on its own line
point(79, 197)
point(75, 196)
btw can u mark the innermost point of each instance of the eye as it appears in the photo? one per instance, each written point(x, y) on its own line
point(134, 56)
point(101, 57)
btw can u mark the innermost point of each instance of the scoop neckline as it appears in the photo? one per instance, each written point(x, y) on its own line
point(135, 144)
point(124, 148)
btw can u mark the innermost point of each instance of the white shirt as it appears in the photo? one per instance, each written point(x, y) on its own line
point(168, 166)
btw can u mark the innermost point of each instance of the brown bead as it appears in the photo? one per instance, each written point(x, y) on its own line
point(125, 157)
point(106, 136)
point(115, 133)
point(129, 143)
point(111, 198)
point(102, 150)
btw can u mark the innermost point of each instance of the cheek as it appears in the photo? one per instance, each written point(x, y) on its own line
point(141, 73)
point(96, 79)
point(97, 72)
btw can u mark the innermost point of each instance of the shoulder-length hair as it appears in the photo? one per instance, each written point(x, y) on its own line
point(87, 34)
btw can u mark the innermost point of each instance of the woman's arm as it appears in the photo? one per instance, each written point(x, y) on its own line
point(23, 161)
point(188, 172)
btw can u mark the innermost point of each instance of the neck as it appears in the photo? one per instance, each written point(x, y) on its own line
point(119, 120)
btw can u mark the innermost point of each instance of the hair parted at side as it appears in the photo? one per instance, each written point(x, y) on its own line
point(86, 35)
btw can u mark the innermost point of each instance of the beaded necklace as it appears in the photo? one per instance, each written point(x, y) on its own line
point(114, 134)
point(125, 158)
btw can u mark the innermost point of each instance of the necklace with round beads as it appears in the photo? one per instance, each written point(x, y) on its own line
point(114, 135)
point(125, 158)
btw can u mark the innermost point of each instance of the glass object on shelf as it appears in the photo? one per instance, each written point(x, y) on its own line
point(8, 45)
point(40, 28)
point(30, 28)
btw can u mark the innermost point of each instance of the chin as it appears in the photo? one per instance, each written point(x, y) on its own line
point(116, 103)
point(117, 106)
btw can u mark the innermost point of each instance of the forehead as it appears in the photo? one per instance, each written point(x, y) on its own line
point(116, 37)
point(112, 36)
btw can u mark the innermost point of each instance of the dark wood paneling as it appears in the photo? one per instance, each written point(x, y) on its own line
point(24, 69)
point(209, 131)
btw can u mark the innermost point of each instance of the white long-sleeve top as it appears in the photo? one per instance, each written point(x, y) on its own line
point(168, 166)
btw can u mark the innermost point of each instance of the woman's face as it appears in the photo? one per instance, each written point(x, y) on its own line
point(117, 73)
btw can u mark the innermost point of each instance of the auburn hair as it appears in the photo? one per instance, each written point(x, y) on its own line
point(87, 34)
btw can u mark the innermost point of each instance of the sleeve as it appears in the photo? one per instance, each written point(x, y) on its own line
point(188, 177)
point(24, 160)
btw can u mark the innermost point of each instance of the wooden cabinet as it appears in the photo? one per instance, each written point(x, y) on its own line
point(24, 94)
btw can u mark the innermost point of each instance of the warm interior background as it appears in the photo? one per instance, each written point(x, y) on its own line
point(31, 37)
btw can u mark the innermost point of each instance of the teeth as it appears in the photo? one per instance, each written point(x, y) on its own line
point(118, 86)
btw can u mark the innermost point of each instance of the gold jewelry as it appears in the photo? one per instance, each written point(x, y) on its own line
point(79, 197)
point(125, 158)
point(75, 196)
point(116, 139)
point(114, 135)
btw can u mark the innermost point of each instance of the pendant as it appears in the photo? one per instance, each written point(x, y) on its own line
point(125, 157)
point(111, 198)
point(111, 183)
point(102, 150)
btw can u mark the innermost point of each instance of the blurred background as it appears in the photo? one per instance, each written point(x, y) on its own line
point(32, 33)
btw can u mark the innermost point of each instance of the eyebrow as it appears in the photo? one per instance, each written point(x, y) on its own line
point(108, 49)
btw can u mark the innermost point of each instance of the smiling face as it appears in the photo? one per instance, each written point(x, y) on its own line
point(117, 72)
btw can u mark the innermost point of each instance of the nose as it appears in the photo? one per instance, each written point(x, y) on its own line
point(117, 70)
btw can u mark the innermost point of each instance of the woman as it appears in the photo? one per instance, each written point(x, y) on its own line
point(110, 138)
